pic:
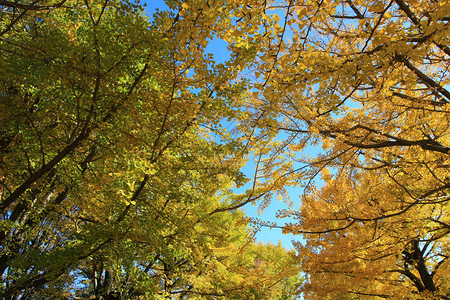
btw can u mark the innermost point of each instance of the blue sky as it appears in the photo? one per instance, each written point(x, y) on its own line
point(274, 236)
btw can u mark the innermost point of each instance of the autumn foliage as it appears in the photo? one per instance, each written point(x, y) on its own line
point(115, 170)
point(122, 138)
point(364, 86)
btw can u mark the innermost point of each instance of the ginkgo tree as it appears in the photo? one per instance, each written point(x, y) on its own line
point(365, 85)
point(115, 171)
point(115, 167)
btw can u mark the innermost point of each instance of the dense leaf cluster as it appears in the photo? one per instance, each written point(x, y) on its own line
point(116, 163)
point(115, 171)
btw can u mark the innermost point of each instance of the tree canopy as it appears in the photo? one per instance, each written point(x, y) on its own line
point(365, 85)
point(117, 169)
